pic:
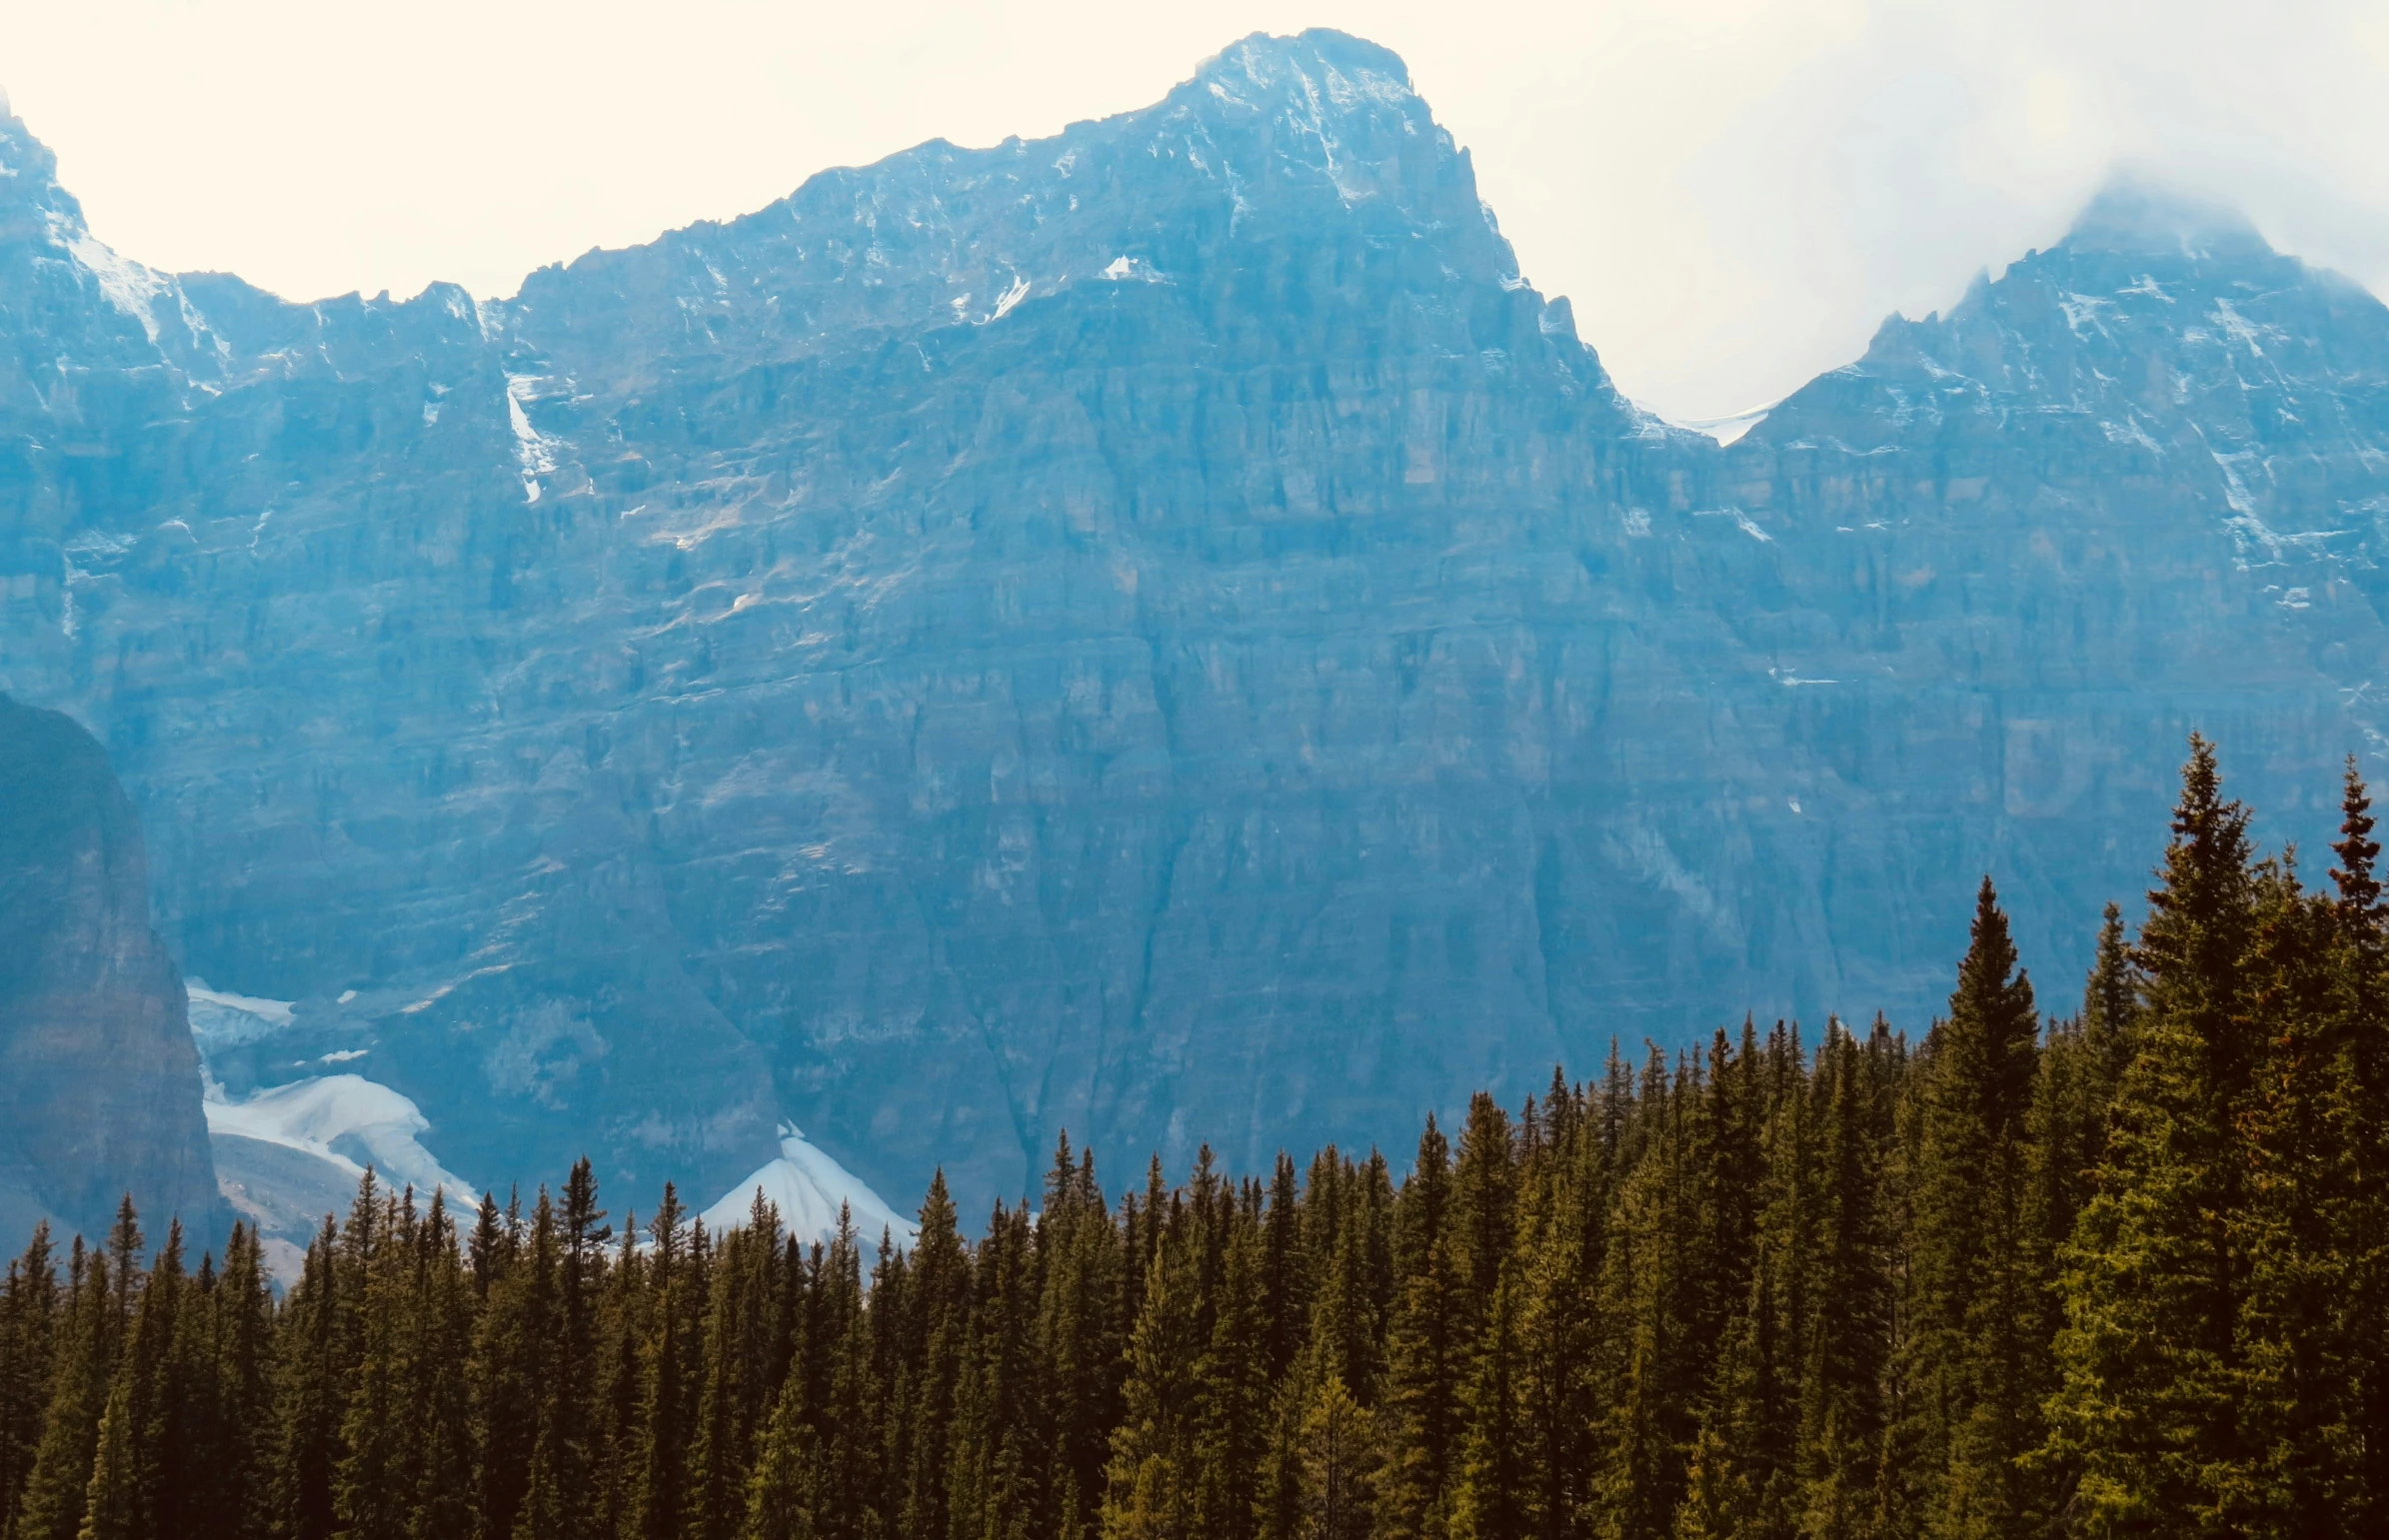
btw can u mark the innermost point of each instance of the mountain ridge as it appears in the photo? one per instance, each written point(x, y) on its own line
point(1155, 627)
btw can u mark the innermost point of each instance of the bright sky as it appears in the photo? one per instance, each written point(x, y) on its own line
point(1732, 192)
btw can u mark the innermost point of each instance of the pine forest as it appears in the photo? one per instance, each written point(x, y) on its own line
point(2118, 1272)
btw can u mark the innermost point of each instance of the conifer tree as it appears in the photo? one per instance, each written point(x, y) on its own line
point(1080, 1336)
point(441, 1458)
point(136, 1431)
point(2147, 1410)
point(1148, 1493)
point(1652, 1395)
point(744, 1350)
point(1232, 1416)
point(1841, 1412)
point(310, 1395)
point(2362, 1108)
point(937, 1309)
point(51, 1507)
point(546, 1508)
point(368, 1495)
point(1339, 1462)
point(659, 1469)
point(231, 1498)
point(516, 1308)
point(1425, 1349)
point(1490, 1500)
point(1553, 1366)
point(1285, 1284)
point(1974, 1286)
point(29, 1332)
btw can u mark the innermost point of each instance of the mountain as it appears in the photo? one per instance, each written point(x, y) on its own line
point(1160, 632)
point(99, 1084)
point(2132, 486)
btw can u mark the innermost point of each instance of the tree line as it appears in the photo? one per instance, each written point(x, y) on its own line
point(2114, 1274)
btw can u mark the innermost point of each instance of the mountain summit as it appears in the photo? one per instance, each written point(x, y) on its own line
point(2135, 216)
point(1152, 630)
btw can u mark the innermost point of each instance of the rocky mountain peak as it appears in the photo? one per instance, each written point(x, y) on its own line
point(94, 305)
point(2136, 215)
point(1311, 79)
point(29, 176)
point(1325, 111)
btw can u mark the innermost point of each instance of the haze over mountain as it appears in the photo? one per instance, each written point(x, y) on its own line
point(1158, 630)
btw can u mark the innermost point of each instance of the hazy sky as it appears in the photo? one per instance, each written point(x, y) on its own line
point(1732, 192)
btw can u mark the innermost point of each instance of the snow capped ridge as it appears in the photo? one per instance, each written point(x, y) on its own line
point(809, 1187)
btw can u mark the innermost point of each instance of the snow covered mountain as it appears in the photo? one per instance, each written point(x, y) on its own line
point(1160, 632)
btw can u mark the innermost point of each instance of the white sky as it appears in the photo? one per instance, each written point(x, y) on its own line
point(1732, 192)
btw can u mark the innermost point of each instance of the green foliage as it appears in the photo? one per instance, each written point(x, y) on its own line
point(2124, 1274)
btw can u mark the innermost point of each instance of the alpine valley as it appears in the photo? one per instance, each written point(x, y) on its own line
point(1160, 632)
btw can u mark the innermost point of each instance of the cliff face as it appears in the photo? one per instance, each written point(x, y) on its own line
point(1158, 632)
point(99, 1083)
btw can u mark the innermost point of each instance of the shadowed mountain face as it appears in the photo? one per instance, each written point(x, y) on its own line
point(1157, 632)
point(99, 1083)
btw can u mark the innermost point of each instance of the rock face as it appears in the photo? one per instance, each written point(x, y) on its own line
point(99, 1083)
point(1158, 632)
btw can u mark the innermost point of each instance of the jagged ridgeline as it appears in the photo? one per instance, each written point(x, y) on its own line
point(2117, 1273)
point(1160, 631)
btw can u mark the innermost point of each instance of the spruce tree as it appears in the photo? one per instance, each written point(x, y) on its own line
point(2362, 1104)
point(136, 1432)
point(1842, 1410)
point(658, 1502)
point(1231, 1386)
point(1080, 1337)
point(1149, 1493)
point(29, 1341)
point(1489, 1497)
point(2148, 1406)
point(232, 1495)
point(51, 1507)
point(310, 1394)
point(1976, 1290)
point(936, 1319)
point(1427, 1348)
point(1339, 1462)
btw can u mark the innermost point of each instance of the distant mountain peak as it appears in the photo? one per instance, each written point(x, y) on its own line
point(2137, 215)
point(1263, 58)
point(29, 171)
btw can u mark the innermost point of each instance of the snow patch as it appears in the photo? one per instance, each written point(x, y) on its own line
point(123, 282)
point(343, 1120)
point(2082, 310)
point(2236, 325)
point(2130, 432)
point(809, 1187)
point(221, 1019)
point(1011, 297)
point(534, 452)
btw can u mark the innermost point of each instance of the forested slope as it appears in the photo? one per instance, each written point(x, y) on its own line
point(2116, 1273)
